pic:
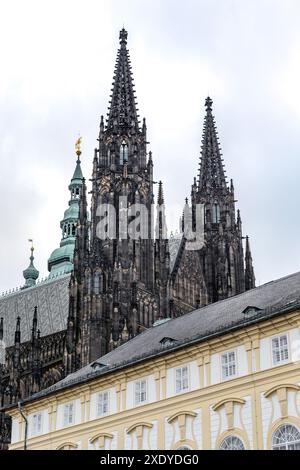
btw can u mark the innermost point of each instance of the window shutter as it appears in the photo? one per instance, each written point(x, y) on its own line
point(178, 380)
point(137, 393)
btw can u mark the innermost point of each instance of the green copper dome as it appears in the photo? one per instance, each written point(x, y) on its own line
point(61, 259)
point(72, 212)
point(31, 273)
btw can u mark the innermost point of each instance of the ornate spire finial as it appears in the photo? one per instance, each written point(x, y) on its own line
point(78, 146)
point(31, 273)
point(123, 37)
point(31, 249)
point(208, 103)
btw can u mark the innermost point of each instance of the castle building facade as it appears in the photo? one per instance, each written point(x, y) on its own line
point(104, 291)
point(225, 376)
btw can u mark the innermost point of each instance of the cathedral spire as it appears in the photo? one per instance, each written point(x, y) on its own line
point(212, 173)
point(249, 271)
point(122, 112)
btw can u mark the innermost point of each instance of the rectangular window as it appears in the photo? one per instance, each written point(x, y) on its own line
point(103, 403)
point(36, 424)
point(280, 349)
point(228, 365)
point(69, 414)
point(182, 379)
point(140, 392)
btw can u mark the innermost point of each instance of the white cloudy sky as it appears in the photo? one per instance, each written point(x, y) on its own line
point(57, 60)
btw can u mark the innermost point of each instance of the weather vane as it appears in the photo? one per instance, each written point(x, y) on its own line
point(78, 146)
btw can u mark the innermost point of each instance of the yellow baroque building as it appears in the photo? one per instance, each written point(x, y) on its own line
point(225, 376)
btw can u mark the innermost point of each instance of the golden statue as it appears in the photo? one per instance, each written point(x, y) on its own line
point(78, 146)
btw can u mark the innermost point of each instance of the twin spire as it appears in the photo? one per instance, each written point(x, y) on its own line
point(122, 112)
point(212, 172)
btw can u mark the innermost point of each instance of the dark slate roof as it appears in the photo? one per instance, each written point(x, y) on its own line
point(273, 298)
point(52, 299)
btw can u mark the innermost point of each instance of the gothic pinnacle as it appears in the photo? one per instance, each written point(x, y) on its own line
point(160, 199)
point(18, 331)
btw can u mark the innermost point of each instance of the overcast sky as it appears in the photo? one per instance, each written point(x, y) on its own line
point(57, 61)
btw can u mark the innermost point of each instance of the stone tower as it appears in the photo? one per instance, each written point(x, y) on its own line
point(216, 271)
point(116, 285)
point(222, 258)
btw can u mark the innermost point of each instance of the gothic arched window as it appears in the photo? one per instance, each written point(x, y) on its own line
point(97, 283)
point(286, 437)
point(123, 152)
point(232, 443)
point(215, 213)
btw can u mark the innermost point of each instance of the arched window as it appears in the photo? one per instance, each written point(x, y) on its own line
point(286, 437)
point(232, 443)
point(67, 446)
point(184, 448)
point(215, 213)
point(97, 283)
point(123, 152)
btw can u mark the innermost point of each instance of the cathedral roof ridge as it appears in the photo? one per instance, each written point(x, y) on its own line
point(18, 289)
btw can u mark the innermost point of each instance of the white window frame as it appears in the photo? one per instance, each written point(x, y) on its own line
point(102, 403)
point(181, 379)
point(139, 393)
point(228, 365)
point(280, 349)
point(36, 424)
point(66, 414)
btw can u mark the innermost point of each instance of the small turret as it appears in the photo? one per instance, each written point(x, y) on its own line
point(61, 259)
point(30, 274)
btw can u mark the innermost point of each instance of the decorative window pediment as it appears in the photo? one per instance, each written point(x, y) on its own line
point(98, 441)
point(181, 418)
point(229, 404)
point(67, 446)
point(282, 394)
point(139, 429)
